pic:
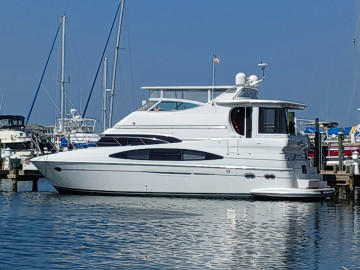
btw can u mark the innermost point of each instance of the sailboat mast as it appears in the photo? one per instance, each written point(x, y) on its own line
point(62, 82)
point(112, 93)
point(105, 93)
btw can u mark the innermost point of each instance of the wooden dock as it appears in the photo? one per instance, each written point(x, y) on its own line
point(343, 182)
point(17, 175)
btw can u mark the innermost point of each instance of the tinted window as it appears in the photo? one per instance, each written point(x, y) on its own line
point(248, 93)
point(173, 106)
point(272, 120)
point(126, 140)
point(238, 120)
point(166, 154)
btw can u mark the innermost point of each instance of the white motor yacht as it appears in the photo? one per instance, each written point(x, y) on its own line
point(195, 141)
point(16, 141)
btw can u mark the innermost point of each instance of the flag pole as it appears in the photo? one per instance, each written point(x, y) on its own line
point(213, 76)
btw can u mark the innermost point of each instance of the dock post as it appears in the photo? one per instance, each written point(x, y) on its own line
point(317, 146)
point(14, 185)
point(320, 153)
point(35, 185)
point(340, 151)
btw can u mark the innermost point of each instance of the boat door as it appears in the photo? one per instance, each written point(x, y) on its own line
point(241, 120)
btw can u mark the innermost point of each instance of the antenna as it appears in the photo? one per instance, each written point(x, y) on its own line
point(263, 66)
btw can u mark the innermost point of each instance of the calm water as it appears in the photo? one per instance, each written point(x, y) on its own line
point(45, 230)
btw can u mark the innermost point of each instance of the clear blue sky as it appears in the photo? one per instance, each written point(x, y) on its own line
point(308, 45)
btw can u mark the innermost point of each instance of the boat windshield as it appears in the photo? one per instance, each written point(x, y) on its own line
point(173, 106)
point(248, 93)
point(147, 105)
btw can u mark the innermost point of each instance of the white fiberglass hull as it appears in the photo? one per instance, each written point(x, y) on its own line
point(167, 179)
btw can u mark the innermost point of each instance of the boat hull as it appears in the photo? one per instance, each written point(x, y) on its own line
point(166, 179)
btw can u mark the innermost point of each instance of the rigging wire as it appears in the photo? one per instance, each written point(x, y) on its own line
point(357, 52)
point(101, 60)
point(42, 76)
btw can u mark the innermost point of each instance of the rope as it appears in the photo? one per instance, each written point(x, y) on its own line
point(42, 76)
point(102, 57)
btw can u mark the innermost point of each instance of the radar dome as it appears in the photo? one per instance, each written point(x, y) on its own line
point(253, 79)
point(240, 79)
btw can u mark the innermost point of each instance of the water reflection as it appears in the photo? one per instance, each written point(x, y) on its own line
point(48, 230)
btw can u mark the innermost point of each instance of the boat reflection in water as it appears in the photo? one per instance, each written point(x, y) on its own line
point(202, 141)
point(175, 233)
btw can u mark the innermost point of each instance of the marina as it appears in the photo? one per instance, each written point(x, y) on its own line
point(189, 157)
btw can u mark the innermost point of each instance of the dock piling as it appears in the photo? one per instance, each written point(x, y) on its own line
point(16, 175)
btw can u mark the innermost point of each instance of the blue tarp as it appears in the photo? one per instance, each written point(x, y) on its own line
point(330, 130)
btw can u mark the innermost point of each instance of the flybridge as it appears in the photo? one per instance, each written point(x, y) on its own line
point(245, 87)
point(167, 88)
point(243, 93)
point(202, 94)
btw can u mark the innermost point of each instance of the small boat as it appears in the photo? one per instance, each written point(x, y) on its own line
point(75, 132)
point(16, 141)
point(196, 141)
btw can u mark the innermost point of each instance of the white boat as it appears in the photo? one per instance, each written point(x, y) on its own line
point(75, 132)
point(17, 146)
point(203, 141)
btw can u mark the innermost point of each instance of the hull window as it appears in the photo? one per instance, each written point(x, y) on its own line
point(166, 154)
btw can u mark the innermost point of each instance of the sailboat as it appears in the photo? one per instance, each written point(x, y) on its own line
point(73, 131)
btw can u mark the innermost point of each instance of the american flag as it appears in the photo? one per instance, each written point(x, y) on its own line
point(216, 60)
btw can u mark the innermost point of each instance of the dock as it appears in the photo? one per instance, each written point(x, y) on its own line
point(17, 175)
point(344, 182)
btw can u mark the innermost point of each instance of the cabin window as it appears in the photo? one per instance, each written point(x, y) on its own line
point(12, 121)
point(273, 120)
point(241, 119)
point(166, 154)
point(132, 140)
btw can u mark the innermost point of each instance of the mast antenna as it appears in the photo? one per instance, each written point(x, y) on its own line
point(263, 66)
point(215, 60)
